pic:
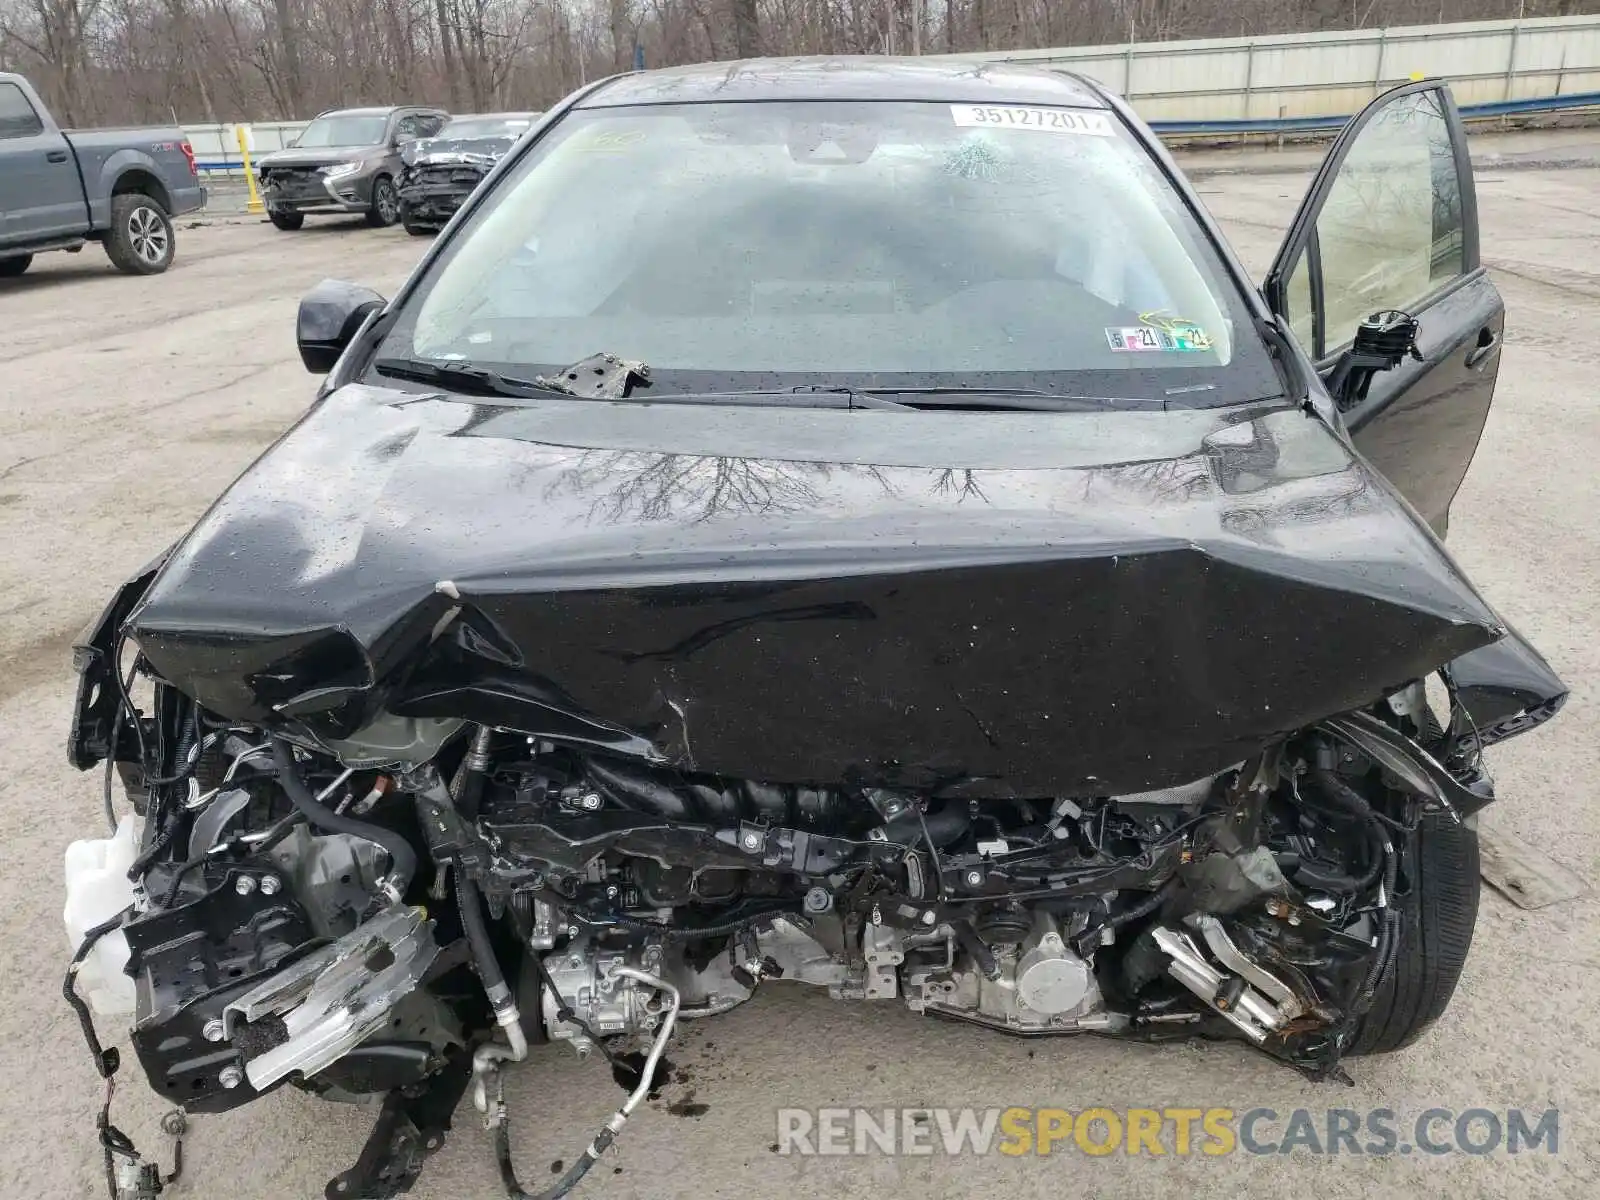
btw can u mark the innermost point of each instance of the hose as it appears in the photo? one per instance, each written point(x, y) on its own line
point(477, 931)
point(561, 1187)
point(609, 1131)
point(402, 858)
point(506, 1014)
point(977, 948)
point(467, 787)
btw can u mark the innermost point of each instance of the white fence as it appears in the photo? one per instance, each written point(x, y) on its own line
point(1266, 79)
point(1333, 74)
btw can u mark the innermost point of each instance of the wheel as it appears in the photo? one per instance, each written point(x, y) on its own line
point(140, 240)
point(413, 227)
point(1437, 912)
point(10, 268)
point(287, 221)
point(385, 208)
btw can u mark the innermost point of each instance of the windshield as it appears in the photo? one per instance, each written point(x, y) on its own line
point(487, 127)
point(343, 131)
point(745, 245)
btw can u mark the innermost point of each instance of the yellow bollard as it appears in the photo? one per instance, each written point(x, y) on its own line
point(255, 205)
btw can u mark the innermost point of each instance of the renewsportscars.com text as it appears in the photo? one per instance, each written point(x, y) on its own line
point(1165, 1131)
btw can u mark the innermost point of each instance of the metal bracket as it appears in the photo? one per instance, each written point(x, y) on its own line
point(600, 376)
point(409, 1130)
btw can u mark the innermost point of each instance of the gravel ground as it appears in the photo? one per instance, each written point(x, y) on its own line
point(127, 404)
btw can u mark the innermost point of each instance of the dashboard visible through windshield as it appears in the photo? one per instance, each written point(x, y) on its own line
point(852, 244)
point(333, 132)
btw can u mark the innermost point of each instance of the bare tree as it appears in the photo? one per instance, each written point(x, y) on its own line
point(746, 29)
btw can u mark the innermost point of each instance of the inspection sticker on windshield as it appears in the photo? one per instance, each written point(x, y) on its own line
point(1133, 338)
point(1045, 120)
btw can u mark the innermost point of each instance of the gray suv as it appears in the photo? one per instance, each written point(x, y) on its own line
point(344, 161)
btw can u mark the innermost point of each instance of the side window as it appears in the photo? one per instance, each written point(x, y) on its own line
point(1389, 231)
point(431, 124)
point(410, 127)
point(1301, 318)
point(17, 118)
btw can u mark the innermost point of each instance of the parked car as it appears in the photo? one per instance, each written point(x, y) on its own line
point(440, 172)
point(62, 189)
point(953, 581)
point(345, 161)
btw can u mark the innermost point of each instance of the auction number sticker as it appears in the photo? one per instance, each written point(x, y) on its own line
point(1045, 120)
point(1135, 338)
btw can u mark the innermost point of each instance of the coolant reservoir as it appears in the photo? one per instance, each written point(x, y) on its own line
point(98, 889)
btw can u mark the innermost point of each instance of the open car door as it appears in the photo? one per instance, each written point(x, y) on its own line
point(1390, 226)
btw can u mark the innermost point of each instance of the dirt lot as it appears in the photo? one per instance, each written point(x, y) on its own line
point(127, 404)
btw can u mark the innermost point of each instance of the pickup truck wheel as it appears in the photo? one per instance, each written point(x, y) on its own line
point(385, 208)
point(10, 268)
point(287, 221)
point(140, 240)
point(1437, 911)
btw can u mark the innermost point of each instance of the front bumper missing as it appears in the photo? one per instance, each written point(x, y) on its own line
point(309, 1015)
point(433, 205)
point(343, 194)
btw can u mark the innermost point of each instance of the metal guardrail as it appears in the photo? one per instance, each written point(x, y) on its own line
point(1469, 112)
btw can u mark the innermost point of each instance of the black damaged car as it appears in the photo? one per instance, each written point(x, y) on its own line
point(441, 172)
point(848, 523)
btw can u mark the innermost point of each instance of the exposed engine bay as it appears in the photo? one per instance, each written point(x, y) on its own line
point(399, 931)
point(460, 751)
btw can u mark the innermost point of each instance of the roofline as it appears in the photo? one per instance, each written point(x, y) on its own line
point(376, 109)
point(596, 90)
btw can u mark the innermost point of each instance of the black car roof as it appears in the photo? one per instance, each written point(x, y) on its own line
point(848, 78)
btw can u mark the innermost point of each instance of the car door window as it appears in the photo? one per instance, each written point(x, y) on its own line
point(17, 118)
point(1389, 229)
point(428, 126)
point(408, 129)
point(1301, 315)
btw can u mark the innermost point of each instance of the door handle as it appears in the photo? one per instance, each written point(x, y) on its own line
point(1488, 346)
point(56, 156)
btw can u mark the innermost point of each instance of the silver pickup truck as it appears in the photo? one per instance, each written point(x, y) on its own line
point(60, 190)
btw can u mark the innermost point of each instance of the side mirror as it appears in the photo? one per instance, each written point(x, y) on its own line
point(1383, 341)
point(331, 314)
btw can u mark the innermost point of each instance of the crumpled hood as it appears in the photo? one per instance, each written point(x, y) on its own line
point(455, 151)
point(1009, 603)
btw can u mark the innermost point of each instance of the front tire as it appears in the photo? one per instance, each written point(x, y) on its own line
point(286, 221)
point(10, 268)
point(385, 207)
point(140, 240)
point(1437, 914)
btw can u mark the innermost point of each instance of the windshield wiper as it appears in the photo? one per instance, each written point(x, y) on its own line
point(612, 376)
point(1013, 399)
point(804, 396)
point(464, 377)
